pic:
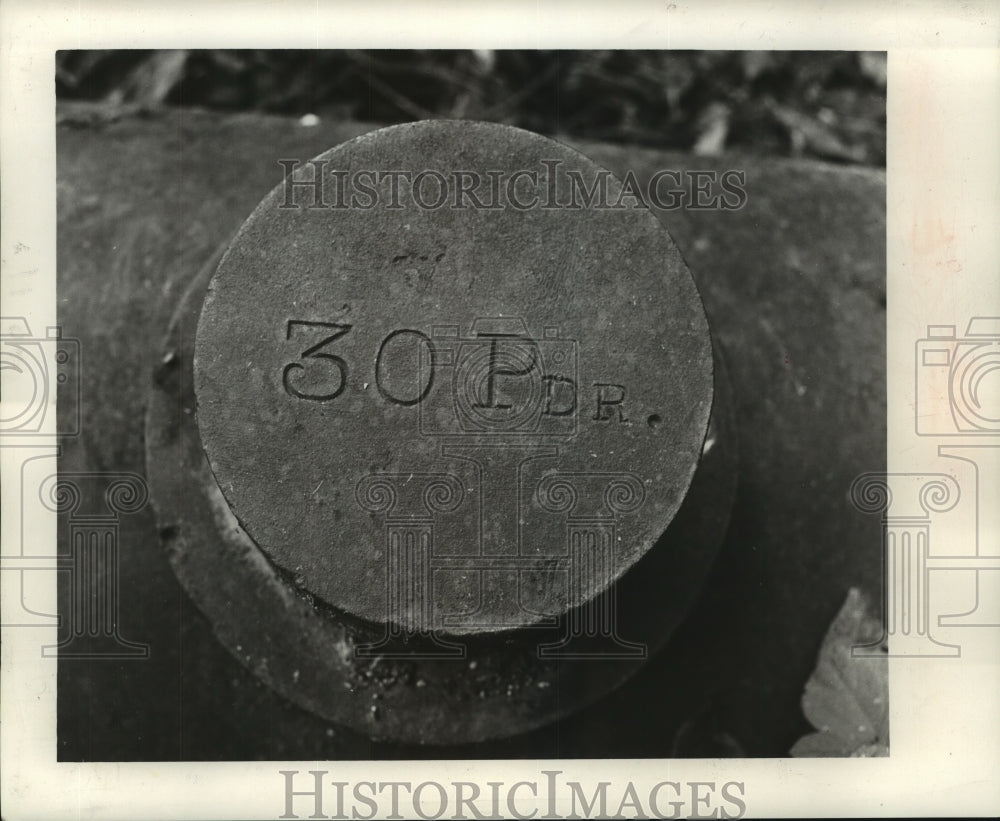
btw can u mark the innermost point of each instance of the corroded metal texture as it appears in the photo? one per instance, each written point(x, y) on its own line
point(794, 288)
point(442, 390)
point(342, 669)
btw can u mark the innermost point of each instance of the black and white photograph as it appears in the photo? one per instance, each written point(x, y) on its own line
point(482, 439)
point(493, 431)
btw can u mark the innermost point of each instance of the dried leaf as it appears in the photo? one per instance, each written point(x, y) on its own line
point(830, 105)
point(805, 131)
point(713, 128)
point(847, 697)
point(149, 83)
point(873, 65)
point(755, 62)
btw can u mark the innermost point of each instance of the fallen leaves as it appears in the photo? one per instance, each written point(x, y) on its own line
point(828, 105)
point(847, 697)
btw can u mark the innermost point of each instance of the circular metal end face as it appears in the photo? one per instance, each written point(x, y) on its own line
point(458, 382)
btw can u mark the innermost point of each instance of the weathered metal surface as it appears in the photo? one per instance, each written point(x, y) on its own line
point(467, 400)
point(313, 655)
point(509, 544)
point(794, 285)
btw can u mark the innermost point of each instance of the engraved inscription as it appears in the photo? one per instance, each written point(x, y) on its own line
point(610, 397)
point(496, 379)
point(394, 348)
point(324, 374)
point(500, 380)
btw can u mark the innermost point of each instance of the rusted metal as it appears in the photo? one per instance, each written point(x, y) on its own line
point(466, 467)
point(462, 388)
